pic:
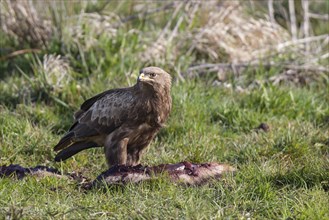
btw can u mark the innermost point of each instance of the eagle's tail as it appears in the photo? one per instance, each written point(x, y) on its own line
point(65, 141)
point(73, 149)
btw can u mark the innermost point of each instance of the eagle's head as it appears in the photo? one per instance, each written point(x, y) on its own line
point(154, 77)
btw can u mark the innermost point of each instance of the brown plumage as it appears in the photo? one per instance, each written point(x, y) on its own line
point(123, 120)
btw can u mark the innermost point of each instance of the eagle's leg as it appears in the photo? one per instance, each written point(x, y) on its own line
point(134, 156)
point(116, 152)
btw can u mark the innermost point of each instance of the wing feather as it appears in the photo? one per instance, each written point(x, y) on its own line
point(99, 115)
point(108, 112)
point(89, 102)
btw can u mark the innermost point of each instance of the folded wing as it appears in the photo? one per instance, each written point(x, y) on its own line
point(97, 117)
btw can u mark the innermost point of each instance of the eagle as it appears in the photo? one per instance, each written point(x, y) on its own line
point(123, 121)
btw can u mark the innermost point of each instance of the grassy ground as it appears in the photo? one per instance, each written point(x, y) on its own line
point(281, 174)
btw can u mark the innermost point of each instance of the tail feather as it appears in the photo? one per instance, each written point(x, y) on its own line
point(73, 149)
point(65, 141)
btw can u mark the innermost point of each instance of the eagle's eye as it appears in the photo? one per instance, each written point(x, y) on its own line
point(153, 74)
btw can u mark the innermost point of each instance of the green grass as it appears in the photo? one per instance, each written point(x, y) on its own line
point(281, 174)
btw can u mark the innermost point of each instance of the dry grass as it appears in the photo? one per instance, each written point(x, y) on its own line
point(233, 36)
point(226, 32)
point(162, 50)
point(56, 70)
point(22, 21)
point(85, 29)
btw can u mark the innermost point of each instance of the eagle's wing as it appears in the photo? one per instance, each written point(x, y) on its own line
point(98, 116)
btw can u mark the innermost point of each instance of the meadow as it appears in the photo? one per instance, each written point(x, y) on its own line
point(233, 69)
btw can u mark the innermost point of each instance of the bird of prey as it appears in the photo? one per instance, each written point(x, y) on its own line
point(123, 120)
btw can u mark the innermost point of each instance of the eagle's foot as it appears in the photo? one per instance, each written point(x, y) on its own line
point(126, 168)
point(117, 168)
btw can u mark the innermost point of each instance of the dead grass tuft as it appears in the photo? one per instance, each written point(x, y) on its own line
point(233, 36)
point(162, 50)
point(57, 70)
point(85, 29)
point(22, 21)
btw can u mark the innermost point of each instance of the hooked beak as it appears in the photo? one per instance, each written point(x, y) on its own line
point(143, 77)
